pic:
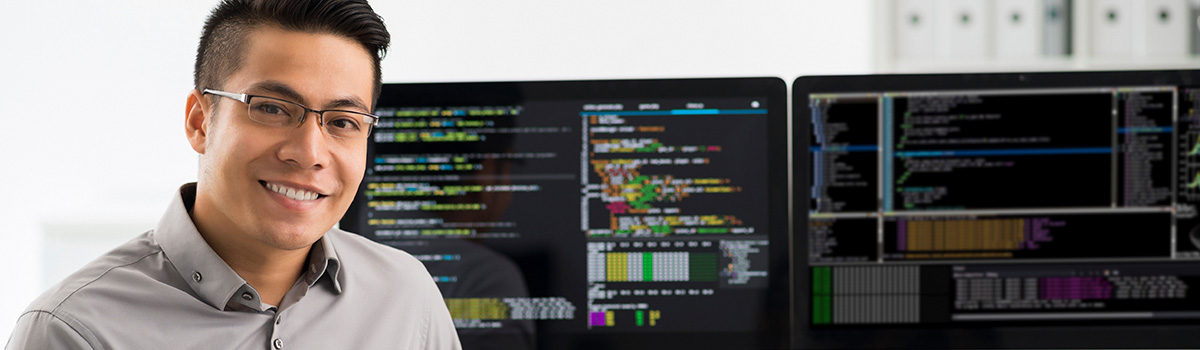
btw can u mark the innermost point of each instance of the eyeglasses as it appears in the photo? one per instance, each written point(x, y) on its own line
point(283, 113)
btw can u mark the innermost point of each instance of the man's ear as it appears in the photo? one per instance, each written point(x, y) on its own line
point(196, 120)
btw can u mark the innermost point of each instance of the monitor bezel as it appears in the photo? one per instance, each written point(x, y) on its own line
point(1039, 336)
point(776, 327)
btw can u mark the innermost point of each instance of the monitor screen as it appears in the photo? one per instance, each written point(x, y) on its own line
point(1047, 210)
point(590, 214)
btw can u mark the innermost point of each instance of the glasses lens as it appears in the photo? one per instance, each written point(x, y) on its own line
point(274, 112)
point(348, 125)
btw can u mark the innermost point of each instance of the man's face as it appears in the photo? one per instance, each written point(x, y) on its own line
point(245, 165)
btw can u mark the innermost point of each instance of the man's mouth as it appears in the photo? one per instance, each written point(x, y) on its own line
point(293, 193)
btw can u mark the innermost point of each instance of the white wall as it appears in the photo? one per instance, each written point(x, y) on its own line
point(92, 92)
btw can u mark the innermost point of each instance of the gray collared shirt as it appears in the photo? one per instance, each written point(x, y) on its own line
point(168, 289)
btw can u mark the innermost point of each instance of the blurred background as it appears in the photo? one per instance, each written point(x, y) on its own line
point(92, 144)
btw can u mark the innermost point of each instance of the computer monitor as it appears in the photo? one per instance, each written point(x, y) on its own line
point(1040, 210)
point(590, 214)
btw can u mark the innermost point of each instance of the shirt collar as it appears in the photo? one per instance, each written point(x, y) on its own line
point(323, 261)
point(212, 280)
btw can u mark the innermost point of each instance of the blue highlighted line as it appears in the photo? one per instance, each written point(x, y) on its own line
point(677, 112)
point(1004, 152)
point(847, 148)
point(695, 111)
point(1146, 130)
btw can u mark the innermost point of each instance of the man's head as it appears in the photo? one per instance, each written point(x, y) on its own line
point(222, 44)
point(270, 186)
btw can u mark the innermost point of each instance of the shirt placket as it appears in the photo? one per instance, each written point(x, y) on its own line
point(290, 301)
point(277, 332)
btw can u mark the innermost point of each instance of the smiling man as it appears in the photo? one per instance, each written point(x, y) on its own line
point(247, 257)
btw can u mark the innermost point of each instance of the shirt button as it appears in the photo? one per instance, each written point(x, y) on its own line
point(197, 277)
point(247, 296)
point(278, 343)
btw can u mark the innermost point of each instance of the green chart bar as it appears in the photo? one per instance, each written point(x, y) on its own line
point(647, 267)
point(822, 284)
point(702, 267)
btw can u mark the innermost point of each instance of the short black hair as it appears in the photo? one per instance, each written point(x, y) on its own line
point(222, 43)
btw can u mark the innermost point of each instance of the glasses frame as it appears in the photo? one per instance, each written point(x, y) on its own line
point(370, 119)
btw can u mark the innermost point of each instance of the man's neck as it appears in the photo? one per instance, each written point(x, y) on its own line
point(272, 273)
point(270, 270)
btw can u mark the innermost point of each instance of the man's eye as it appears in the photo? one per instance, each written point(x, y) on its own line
point(344, 123)
point(272, 108)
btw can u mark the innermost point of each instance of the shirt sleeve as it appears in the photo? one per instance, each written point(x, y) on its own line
point(43, 330)
point(442, 334)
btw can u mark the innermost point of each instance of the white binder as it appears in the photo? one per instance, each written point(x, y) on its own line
point(914, 29)
point(1161, 28)
point(1056, 27)
point(1018, 24)
point(1193, 23)
point(962, 29)
point(1111, 23)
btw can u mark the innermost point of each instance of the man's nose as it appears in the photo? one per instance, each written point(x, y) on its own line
point(306, 146)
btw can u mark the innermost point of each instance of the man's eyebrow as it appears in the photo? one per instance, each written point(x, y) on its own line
point(287, 92)
point(351, 101)
point(278, 88)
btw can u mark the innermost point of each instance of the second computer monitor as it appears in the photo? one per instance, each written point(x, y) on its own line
point(1051, 210)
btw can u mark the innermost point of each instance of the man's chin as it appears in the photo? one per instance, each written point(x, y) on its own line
point(293, 238)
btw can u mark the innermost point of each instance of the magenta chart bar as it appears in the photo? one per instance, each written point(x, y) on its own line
point(1060, 288)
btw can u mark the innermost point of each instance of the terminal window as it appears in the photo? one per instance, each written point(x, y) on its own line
point(1004, 207)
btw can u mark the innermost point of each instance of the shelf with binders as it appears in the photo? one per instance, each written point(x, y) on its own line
point(941, 36)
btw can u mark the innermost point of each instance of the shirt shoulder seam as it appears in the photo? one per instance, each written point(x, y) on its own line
point(60, 319)
point(98, 277)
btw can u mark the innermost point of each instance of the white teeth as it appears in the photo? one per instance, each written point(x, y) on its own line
point(297, 194)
